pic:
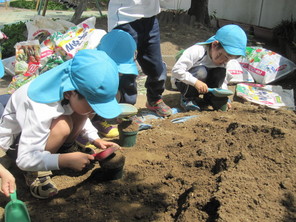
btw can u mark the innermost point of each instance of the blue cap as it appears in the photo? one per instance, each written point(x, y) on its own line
point(233, 39)
point(121, 47)
point(1, 69)
point(91, 72)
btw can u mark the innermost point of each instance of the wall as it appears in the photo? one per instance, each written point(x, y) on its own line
point(266, 13)
point(175, 4)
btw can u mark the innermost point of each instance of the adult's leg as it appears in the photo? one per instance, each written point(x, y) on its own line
point(150, 59)
point(146, 34)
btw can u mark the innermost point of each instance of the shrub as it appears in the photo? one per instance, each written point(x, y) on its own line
point(286, 29)
point(16, 33)
point(52, 5)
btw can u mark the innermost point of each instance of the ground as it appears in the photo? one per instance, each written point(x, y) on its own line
point(218, 166)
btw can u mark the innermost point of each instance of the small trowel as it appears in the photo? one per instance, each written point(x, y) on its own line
point(105, 154)
point(220, 92)
point(16, 210)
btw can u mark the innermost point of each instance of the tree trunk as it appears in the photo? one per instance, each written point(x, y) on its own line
point(78, 11)
point(199, 8)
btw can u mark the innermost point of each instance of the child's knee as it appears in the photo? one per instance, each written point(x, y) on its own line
point(63, 125)
point(200, 72)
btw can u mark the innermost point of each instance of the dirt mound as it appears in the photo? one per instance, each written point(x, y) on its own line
point(217, 166)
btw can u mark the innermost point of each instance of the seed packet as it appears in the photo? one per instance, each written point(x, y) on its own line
point(27, 58)
point(27, 63)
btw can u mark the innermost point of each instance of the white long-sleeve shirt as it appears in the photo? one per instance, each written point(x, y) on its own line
point(33, 121)
point(196, 55)
point(125, 11)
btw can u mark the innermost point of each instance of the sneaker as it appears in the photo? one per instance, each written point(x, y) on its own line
point(160, 108)
point(106, 129)
point(40, 187)
point(80, 145)
point(189, 105)
point(84, 143)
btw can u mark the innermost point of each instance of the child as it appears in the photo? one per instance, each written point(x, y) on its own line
point(47, 114)
point(113, 42)
point(7, 181)
point(203, 65)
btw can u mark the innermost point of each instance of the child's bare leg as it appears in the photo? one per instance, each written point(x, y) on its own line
point(59, 131)
point(78, 123)
point(64, 130)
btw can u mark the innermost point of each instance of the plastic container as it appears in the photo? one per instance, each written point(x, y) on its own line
point(127, 139)
point(112, 166)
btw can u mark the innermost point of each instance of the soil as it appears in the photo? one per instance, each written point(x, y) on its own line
point(218, 166)
point(128, 126)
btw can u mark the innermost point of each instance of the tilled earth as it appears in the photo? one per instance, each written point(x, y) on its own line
point(217, 166)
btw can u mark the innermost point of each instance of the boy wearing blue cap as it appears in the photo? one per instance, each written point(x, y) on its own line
point(48, 114)
point(202, 66)
point(121, 48)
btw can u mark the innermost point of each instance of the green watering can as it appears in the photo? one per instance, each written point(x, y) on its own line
point(16, 210)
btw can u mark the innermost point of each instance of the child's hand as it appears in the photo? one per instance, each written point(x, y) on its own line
point(201, 87)
point(102, 144)
point(7, 183)
point(76, 161)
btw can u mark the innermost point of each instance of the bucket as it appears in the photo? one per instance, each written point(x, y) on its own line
point(113, 174)
point(16, 210)
point(112, 166)
point(127, 139)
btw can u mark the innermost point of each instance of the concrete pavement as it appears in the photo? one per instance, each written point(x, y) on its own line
point(11, 15)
